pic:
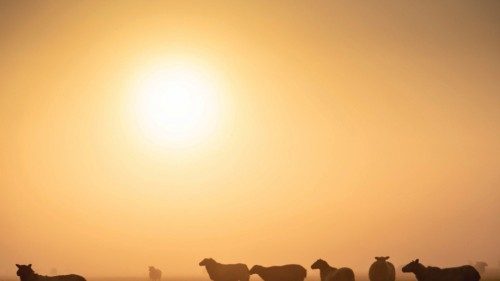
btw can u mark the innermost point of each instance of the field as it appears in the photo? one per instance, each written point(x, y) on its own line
point(358, 278)
point(314, 277)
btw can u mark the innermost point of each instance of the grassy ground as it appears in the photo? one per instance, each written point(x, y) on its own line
point(358, 278)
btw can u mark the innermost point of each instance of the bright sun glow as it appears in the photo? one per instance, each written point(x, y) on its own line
point(176, 104)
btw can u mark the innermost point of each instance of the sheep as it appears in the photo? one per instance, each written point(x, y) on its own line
point(329, 273)
point(225, 272)
point(26, 273)
point(382, 270)
point(154, 274)
point(289, 272)
point(429, 273)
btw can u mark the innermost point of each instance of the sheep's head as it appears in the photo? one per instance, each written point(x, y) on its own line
point(24, 270)
point(412, 266)
point(319, 264)
point(151, 268)
point(207, 261)
point(256, 269)
point(381, 258)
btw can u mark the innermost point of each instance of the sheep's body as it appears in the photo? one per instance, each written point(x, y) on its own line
point(430, 273)
point(26, 273)
point(329, 273)
point(289, 272)
point(225, 272)
point(382, 270)
point(69, 277)
point(461, 273)
point(342, 274)
point(154, 273)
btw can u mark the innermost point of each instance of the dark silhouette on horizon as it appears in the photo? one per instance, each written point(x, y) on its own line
point(154, 273)
point(431, 273)
point(225, 272)
point(26, 273)
point(330, 273)
point(382, 270)
point(289, 272)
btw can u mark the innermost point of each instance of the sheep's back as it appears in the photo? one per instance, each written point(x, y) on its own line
point(382, 271)
point(470, 273)
point(461, 273)
point(289, 272)
point(341, 274)
point(70, 277)
point(231, 271)
point(325, 274)
point(392, 271)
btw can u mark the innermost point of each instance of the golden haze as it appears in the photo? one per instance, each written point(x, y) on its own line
point(345, 131)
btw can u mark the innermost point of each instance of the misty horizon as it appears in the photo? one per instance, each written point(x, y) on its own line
point(164, 132)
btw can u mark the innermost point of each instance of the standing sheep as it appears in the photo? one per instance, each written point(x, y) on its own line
point(154, 274)
point(329, 273)
point(382, 270)
point(430, 273)
point(289, 272)
point(225, 272)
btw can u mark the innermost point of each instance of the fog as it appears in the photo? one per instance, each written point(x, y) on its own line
point(346, 131)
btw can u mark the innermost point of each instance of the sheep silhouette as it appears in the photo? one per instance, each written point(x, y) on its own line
point(430, 273)
point(329, 273)
point(382, 270)
point(225, 272)
point(154, 273)
point(26, 273)
point(289, 272)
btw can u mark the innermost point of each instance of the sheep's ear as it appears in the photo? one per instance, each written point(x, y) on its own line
point(18, 266)
point(387, 257)
point(29, 265)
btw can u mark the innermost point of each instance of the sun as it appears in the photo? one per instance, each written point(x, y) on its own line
point(176, 103)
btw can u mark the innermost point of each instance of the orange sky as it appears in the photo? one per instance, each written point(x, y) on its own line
point(348, 130)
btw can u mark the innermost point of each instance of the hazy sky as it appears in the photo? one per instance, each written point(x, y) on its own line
point(346, 130)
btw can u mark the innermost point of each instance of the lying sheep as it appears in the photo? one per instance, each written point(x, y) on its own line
point(382, 270)
point(225, 272)
point(329, 273)
point(26, 273)
point(289, 272)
